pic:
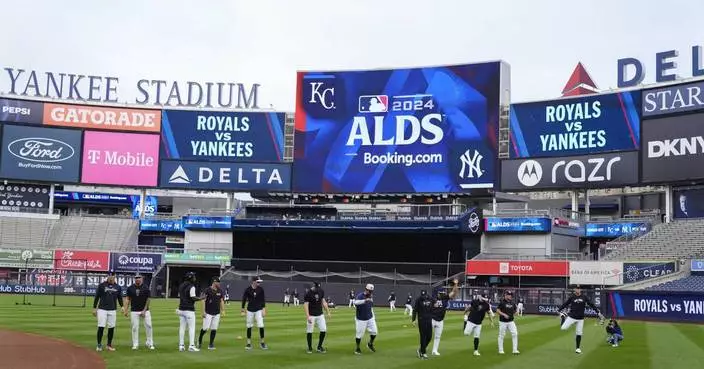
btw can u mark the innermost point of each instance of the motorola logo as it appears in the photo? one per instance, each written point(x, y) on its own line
point(530, 172)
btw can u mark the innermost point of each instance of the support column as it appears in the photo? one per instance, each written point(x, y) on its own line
point(228, 202)
point(587, 204)
point(668, 204)
point(52, 189)
point(168, 282)
point(575, 204)
point(493, 205)
point(142, 202)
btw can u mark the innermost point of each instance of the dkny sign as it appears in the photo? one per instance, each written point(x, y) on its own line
point(585, 171)
point(672, 148)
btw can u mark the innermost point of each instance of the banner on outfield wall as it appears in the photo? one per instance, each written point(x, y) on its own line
point(223, 136)
point(134, 262)
point(664, 306)
point(576, 126)
point(636, 272)
point(525, 268)
point(102, 118)
point(92, 261)
point(413, 130)
point(21, 111)
point(596, 273)
point(19, 258)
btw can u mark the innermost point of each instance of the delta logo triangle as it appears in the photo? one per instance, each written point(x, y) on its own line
point(580, 83)
point(179, 176)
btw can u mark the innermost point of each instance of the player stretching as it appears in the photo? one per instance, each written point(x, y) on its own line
point(438, 314)
point(475, 313)
point(506, 311)
point(409, 305)
point(364, 319)
point(213, 308)
point(107, 295)
point(577, 304)
point(392, 301)
point(187, 312)
point(253, 298)
point(138, 296)
point(313, 304)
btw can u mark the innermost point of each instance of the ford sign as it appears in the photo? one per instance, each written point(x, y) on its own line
point(41, 150)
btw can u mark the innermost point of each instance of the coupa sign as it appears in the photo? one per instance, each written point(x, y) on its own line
point(134, 262)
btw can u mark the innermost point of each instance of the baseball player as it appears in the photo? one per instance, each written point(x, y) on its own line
point(296, 301)
point(576, 305)
point(287, 298)
point(364, 318)
point(187, 312)
point(506, 311)
point(138, 296)
point(392, 301)
point(519, 308)
point(351, 297)
point(253, 298)
point(440, 303)
point(213, 308)
point(313, 304)
point(423, 309)
point(474, 316)
point(409, 306)
point(107, 295)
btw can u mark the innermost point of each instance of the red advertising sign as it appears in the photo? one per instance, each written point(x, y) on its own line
point(94, 261)
point(527, 268)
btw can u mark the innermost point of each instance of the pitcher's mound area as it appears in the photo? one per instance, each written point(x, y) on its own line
point(31, 351)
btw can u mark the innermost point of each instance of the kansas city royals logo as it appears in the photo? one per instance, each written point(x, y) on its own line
point(530, 172)
point(471, 164)
point(322, 95)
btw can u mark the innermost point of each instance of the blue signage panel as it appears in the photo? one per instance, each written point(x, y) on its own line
point(222, 136)
point(673, 99)
point(225, 176)
point(657, 305)
point(61, 196)
point(206, 222)
point(518, 225)
point(615, 229)
point(636, 272)
point(40, 154)
point(697, 265)
point(134, 262)
point(578, 126)
point(397, 131)
point(150, 205)
point(161, 225)
point(21, 111)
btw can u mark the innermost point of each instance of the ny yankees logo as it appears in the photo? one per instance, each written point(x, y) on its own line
point(471, 165)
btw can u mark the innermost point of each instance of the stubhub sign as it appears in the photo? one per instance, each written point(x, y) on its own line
point(225, 176)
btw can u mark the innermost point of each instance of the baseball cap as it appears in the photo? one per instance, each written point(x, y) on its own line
point(369, 287)
point(257, 279)
point(137, 276)
point(216, 279)
point(509, 293)
point(316, 284)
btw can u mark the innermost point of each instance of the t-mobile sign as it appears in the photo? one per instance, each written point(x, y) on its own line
point(122, 159)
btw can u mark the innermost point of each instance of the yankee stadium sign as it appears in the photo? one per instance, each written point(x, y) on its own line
point(106, 89)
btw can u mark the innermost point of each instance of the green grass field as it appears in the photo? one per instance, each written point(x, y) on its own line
point(542, 344)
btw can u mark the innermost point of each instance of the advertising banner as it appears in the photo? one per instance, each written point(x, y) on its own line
point(576, 126)
point(18, 258)
point(223, 136)
point(636, 272)
point(161, 225)
point(120, 159)
point(688, 203)
point(134, 262)
point(150, 205)
point(193, 258)
point(664, 306)
point(697, 265)
point(102, 118)
point(40, 154)
point(21, 289)
point(673, 99)
point(109, 198)
point(206, 222)
point(527, 268)
point(21, 111)
point(398, 131)
point(586, 171)
point(19, 197)
point(670, 147)
point(93, 261)
point(226, 176)
point(614, 230)
point(598, 273)
point(517, 225)
point(547, 309)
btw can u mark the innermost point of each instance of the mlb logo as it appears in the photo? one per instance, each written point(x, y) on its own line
point(503, 268)
point(373, 104)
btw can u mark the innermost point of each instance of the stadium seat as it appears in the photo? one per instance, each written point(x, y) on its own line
point(693, 283)
point(682, 239)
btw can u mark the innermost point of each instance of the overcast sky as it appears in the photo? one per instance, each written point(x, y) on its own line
point(266, 41)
